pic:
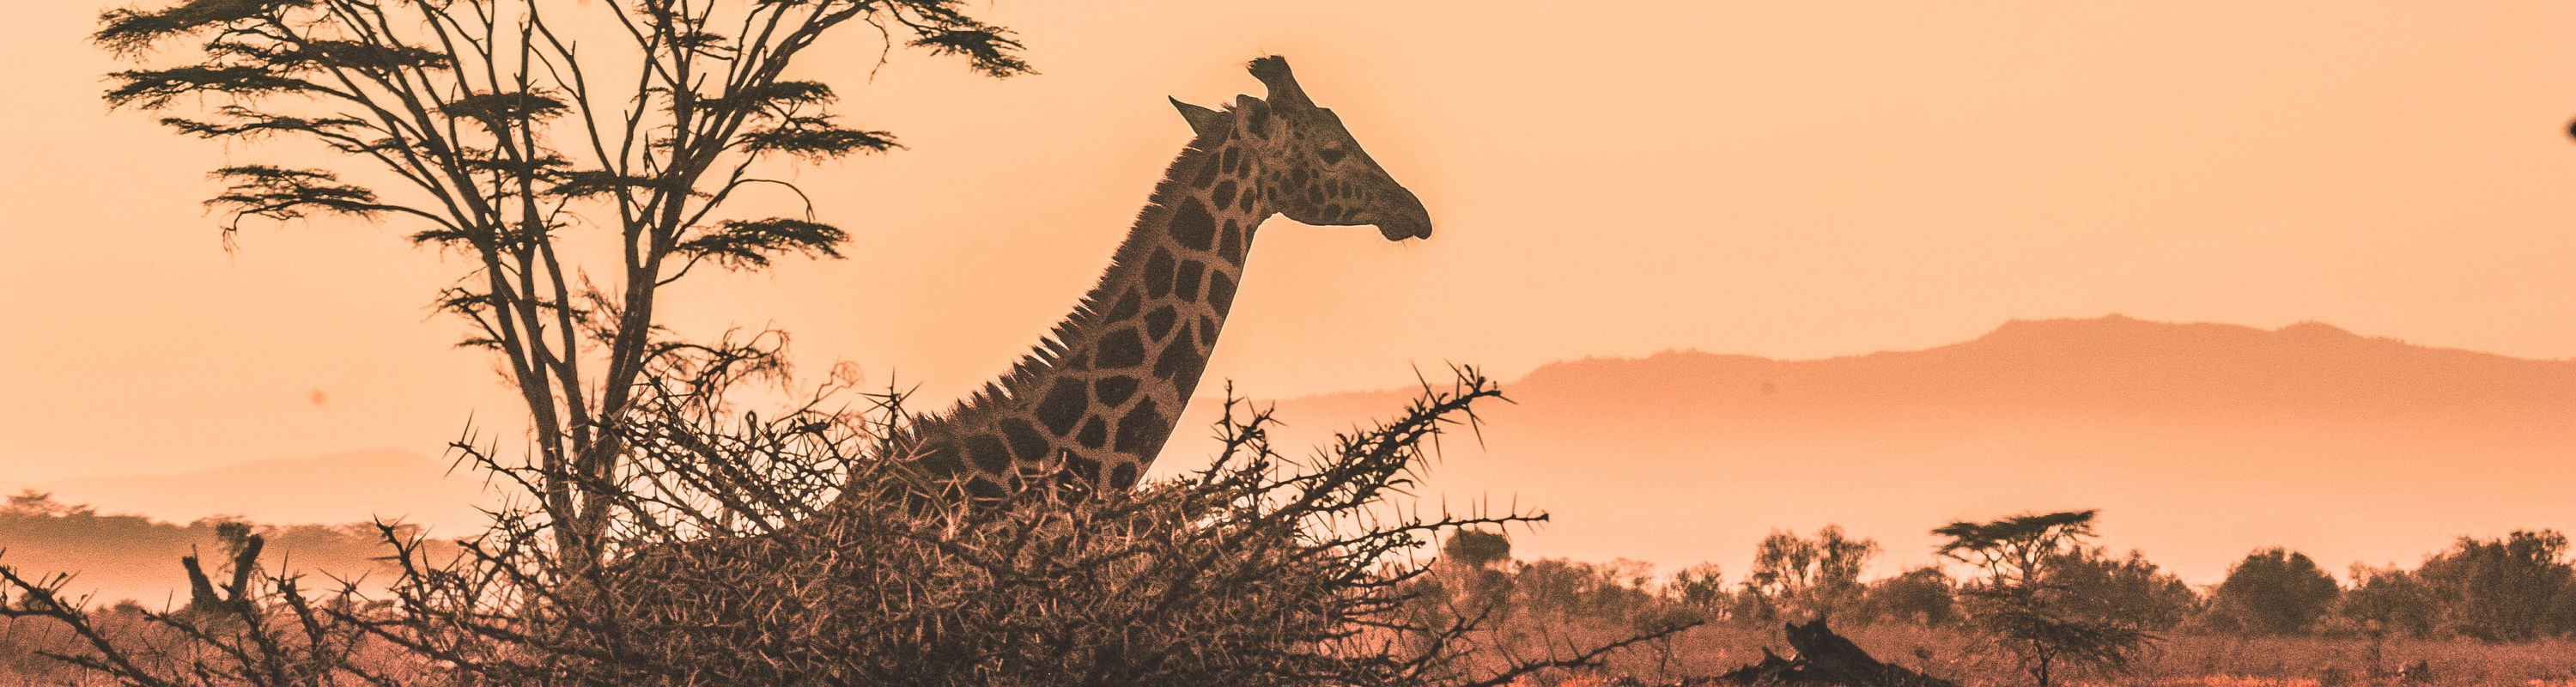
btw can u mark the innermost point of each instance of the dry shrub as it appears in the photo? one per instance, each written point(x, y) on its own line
point(1257, 570)
point(2461, 662)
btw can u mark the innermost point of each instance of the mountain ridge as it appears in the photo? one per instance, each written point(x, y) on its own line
point(2129, 349)
point(2201, 441)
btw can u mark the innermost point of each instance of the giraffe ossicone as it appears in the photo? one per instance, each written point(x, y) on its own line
point(1093, 404)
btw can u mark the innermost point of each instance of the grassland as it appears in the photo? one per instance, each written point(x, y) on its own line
point(2182, 660)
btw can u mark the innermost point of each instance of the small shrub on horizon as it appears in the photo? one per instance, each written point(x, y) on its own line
point(1796, 577)
point(2273, 591)
point(1922, 596)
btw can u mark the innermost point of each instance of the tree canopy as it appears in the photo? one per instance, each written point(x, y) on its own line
point(2026, 608)
point(496, 128)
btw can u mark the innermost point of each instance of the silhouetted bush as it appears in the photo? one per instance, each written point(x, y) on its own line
point(2385, 602)
point(1701, 589)
point(2130, 590)
point(2516, 588)
point(2509, 589)
point(1921, 596)
point(1473, 572)
point(1255, 570)
point(1616, 592)
point(1801, 578)
point(1477, 548)
point(2273, 591)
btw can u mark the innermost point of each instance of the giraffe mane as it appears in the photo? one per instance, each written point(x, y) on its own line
point(1050, 348)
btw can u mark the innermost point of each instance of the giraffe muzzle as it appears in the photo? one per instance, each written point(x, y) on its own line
point(1408, 220)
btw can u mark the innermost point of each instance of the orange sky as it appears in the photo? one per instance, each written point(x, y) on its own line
point(1792, 180)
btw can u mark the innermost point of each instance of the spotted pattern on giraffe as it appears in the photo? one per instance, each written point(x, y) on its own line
point(1182, 353)
point(1220, 292)
point(988, 453)
point(1158, 323)
point(1063, 406)
point(1120, 350)
point(1192, 226)
point(1158, 274)
point(1114, 390)
point(1137, 427)
point(1097, 401)
point(1026, 443)
point(1128, 302)
point(1230, 246)
point(1095, 434)
point(1185, 285)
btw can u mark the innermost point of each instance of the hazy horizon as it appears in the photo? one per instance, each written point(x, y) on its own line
point(2226, 394)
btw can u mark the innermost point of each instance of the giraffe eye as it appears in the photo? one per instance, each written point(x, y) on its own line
point(1332, 156)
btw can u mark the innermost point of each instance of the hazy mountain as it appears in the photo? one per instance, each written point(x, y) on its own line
point(2200, 441)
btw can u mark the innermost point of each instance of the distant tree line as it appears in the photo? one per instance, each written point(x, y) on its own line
point(130, 556)
point(2516, 588)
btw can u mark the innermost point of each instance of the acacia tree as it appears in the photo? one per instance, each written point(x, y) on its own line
point(500, 126)
point(2020, 606)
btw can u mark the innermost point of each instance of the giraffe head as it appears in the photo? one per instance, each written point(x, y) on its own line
point(1311, 169)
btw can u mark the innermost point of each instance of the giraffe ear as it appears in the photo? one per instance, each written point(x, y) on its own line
point(1251, 104)
point(1202, 120)
point(1256, 115)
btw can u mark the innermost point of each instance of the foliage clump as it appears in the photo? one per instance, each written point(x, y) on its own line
point(1254, 570)
point(1797, 577)
point(748, 569)
point(2025, 605)
point(2273, 591)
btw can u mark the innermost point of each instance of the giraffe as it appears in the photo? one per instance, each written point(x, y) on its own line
point(1091, 406)
point(1087, 410)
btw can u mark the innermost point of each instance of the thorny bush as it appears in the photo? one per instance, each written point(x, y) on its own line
point(739, 564)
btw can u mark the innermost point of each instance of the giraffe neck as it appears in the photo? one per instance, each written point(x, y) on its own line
point(1095, 402)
